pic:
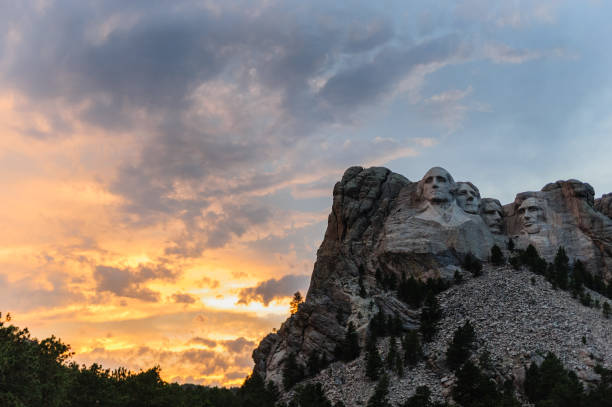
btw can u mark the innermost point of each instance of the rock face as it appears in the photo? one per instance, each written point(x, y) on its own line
point(383, 224)
point(604, 205)
point(563, 214)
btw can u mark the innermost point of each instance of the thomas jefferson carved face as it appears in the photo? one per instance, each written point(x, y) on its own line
point(468, 197)
point(492, 214)
point(531, 214)
point(437, 186)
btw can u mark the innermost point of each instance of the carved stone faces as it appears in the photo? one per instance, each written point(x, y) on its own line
point(532, 216)
point(468, 197)
point(437, 186)
point(492, 214)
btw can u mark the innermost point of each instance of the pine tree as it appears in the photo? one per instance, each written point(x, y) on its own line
point(295, 302)
point(473, 388)
point(606, 309)
point(292, 372)
point(311, 395)
point(552, 385)
point(586, 300)
point(411, 292)
point(420, 398)
point(497, 257)
point(379, 398)
point(379, 277)
point(373, 362)
point(430, 315)
point(316, 362)
point(460, 348)
point(362, 291)
point(457, 277)
point(392, 354)
point(378, 324)
point(472, 264)
point(412, 348)
point(254, 392)
point(561, 267)
point(348, 349)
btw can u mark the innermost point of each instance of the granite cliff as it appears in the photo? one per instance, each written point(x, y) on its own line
point(384, 229)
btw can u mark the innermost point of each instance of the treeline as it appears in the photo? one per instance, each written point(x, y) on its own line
point(37, 373)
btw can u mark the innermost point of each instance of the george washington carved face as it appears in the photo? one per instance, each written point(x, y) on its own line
point(437, 186)
point(532, 216)
point(468, 197)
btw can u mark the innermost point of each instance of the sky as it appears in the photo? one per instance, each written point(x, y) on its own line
point(167, 167)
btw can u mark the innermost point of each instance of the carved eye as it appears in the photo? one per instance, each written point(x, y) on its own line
point(428, 180)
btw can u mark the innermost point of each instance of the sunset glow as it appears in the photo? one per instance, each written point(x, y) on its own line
point(167, 168)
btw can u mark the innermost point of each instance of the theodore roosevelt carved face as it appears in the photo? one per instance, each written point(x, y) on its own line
point(492, 214)
point(532, 216)
point(437, 186)
point(468, 197)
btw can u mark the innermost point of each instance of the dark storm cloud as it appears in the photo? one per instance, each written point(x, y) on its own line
point(272, 289)
point(150, 63)
point(128, 282)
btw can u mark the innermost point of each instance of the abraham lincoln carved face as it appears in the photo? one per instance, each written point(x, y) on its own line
point(532, 215)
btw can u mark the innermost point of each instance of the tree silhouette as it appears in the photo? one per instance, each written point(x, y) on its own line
point(295, 302)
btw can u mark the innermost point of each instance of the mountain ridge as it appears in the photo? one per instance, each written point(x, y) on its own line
point(384, 229)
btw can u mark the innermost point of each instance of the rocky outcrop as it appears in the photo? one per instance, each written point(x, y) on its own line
point(566, 217)
point(382, 224)
point(604, 204)
point(362, 201)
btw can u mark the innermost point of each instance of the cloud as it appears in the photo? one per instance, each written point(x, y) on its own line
point(503, 54)
point(183, 298)
point(219, 98)
point(203, 341)
point(209, 282)
point(239, 345)
point(451, 108)
point(272, 289)
point(387, 69)
point(30, 293)
point(130, 282)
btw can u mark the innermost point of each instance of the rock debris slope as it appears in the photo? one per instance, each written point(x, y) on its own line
point(515, 320)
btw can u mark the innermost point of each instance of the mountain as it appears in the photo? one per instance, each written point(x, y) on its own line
point(395, 250)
